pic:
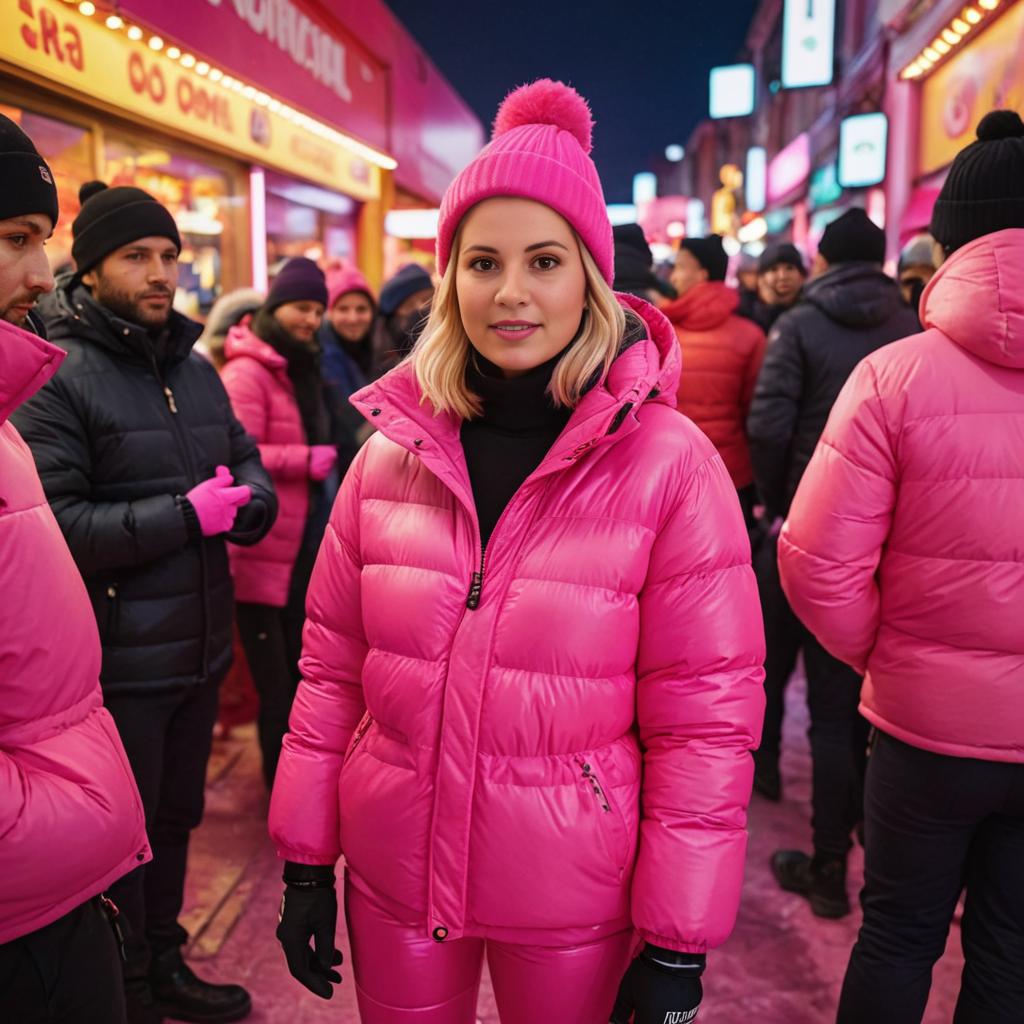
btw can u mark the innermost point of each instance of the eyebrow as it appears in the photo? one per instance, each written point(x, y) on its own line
point(26, 225)
point(529, 248)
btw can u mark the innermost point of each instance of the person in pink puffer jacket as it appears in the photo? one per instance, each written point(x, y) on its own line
point(902, 553)
point(272, 376)
point(532, 661)
point(71, 820)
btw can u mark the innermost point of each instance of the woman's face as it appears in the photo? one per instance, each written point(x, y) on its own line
point(520, 283)
point(300, 319)
point(351, 316)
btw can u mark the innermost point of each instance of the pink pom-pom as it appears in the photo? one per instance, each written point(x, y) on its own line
point(546, 102)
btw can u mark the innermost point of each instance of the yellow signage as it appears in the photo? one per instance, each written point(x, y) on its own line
point(57, 42)
point(987, 75)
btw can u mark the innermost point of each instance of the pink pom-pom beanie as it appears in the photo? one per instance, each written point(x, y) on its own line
point(540, 149)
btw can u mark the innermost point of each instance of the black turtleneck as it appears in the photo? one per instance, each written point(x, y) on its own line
point(507, 443)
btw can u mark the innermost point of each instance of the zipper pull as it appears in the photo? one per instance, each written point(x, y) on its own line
point(169, 395)
point(476, 585)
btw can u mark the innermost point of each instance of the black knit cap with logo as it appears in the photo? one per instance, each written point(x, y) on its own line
point(984, 191)
point(26, 182)
point(112, 217)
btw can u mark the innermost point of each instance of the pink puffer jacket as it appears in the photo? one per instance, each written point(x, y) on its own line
point(903, 550)
point(257, 382)
point(70, 816)
point(472, 728)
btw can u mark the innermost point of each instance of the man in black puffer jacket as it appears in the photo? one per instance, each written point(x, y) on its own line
point(849, 309)
point(149, 473)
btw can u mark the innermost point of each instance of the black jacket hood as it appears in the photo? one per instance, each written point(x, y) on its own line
point(855, 294)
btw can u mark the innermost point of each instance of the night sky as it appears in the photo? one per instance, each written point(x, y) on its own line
point(644, 72)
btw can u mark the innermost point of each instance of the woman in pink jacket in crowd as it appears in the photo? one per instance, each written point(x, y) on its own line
point(71, 819)
point(903, 554)
point(272, 376)
point(532, 663)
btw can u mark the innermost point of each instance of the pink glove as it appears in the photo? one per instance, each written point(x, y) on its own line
point(216, 502)
point(322, 458)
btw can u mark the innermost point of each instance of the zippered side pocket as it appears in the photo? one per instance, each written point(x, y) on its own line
point(611, 826)
point(357, 737)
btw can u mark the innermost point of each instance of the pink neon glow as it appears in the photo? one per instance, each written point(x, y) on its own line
point(790, 168)
point(258, 227)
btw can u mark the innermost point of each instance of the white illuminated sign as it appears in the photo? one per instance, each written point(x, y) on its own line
point(732, 90)
point(695, 218)
point(756, 178)
point(862, 146)
point(808, 41)
point(645, 188)
point(411, 223)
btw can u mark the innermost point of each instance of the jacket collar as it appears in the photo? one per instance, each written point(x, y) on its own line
point(241, 341)
point(704, 307)
point(27, 362)
point(79, 315)
point(647, 371)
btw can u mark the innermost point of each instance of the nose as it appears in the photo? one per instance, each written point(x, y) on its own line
point(512, 289)
point(39, 277)
point(158, 271)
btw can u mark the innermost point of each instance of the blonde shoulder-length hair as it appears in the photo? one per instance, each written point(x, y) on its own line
point(439, 357)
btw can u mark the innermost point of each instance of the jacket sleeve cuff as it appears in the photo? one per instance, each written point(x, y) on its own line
point(191, 517)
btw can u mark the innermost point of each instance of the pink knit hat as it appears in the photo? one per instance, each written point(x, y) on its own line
point(539, 150)
point(344, 280)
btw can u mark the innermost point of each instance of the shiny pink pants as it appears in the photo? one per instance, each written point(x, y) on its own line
point(404, 977)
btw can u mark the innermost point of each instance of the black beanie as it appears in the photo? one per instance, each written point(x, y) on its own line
point(984, 191)
point(853, 237)
point(709, 253)
point(26, 183)
point(112, 217)
point(299, 280)
point(784, 252)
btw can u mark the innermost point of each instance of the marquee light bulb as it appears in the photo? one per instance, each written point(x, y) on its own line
point(135, 33)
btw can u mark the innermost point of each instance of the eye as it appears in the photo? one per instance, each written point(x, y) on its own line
point(18, 241)
point(483, 263)
point(546, 262)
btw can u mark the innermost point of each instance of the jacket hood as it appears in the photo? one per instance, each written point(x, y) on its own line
point(72, 313)
point(977, 298)
point(27, 362)
point(242, 342)
point(855, 294)
point(644, 371)
point(704, 307)
point(229, 310)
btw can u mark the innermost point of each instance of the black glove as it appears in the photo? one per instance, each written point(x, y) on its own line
point(309, 909)
point(660, 987)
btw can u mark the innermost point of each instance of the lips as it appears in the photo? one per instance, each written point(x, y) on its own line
point(514, 330)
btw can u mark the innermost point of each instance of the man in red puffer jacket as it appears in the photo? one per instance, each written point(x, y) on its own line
point(722, 354)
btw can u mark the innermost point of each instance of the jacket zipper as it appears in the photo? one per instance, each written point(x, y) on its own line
point(476, 583)
point(595, 784)
point(193, 474)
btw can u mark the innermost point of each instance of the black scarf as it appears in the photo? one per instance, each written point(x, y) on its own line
point(304, 372)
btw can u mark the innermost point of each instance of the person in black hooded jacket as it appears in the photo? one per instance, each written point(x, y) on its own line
point(849, 309)
point(148, 473)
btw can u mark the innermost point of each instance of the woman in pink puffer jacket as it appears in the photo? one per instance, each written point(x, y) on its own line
point(903, 554)
point(272, 376)
point(71, 820)
point(532, 663)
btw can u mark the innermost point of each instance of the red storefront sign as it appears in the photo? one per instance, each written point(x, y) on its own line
point(285, 48)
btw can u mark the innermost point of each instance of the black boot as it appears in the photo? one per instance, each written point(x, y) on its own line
point(767, 780)
point(821, 879)
point(182, 996)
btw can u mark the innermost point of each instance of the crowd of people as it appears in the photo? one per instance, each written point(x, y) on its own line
point(520, 559)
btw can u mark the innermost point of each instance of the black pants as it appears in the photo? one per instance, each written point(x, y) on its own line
point(68, 972)
point(167, 737)
point(273, 664)
point(838, 734)
point(934, 825)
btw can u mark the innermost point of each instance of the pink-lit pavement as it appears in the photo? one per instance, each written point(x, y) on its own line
point(781, 966)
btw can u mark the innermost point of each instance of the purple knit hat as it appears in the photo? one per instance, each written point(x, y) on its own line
point(539, 150)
